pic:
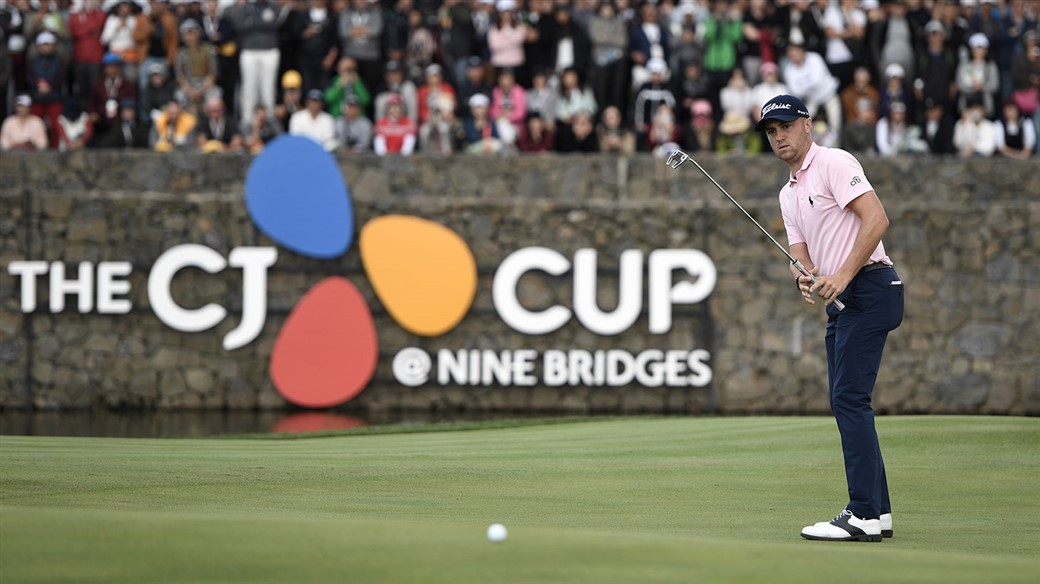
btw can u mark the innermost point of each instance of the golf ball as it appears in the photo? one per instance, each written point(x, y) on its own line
point(496, 533)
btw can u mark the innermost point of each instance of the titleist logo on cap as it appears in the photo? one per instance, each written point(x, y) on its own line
point(774, 106)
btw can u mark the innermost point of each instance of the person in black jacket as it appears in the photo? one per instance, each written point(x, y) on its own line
point(128, 131)
point(800, 22)
point(937, 128)
point(317, 46)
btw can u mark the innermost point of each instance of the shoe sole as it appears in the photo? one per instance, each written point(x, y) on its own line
point(865, 537)
point(886, 533)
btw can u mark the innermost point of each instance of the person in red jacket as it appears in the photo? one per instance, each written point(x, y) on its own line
point(395, 132)
point(85, 28)
point(434, 92)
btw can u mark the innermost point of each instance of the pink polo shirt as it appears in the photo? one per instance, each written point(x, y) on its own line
point(814, 206)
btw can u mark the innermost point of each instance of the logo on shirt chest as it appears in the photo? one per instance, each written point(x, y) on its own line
point(811, 203)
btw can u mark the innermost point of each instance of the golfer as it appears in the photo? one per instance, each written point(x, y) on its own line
point(834, 223)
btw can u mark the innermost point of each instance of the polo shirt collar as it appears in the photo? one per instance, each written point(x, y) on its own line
point(809, 156)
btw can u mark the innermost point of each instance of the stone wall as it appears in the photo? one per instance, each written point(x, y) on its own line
point(964, 237)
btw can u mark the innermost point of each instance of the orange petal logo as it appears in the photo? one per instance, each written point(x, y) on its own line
point(423, 272)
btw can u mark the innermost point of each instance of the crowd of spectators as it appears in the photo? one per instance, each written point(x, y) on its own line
point(486, 77)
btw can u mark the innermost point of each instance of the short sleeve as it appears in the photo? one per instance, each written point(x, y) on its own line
point(794, 233)
point(845, 177)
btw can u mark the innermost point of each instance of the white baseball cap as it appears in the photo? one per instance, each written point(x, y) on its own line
point(978, 40)
point(657, 65)
point(46, 38)
point(23, 100)
point(505, 5)
point(479, 100)
point(895, 70)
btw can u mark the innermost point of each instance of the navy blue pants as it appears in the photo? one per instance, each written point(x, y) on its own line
point(855, 341)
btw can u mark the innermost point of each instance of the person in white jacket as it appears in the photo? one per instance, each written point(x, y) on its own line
point(314, 123)
point(973, 134)
point(807, 77)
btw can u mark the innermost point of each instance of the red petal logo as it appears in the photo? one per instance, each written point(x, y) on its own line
point(327, 349)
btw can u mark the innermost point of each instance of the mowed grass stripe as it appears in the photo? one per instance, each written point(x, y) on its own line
point(693, 494)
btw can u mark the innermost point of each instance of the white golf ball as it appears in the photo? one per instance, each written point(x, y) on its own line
point(496, 533)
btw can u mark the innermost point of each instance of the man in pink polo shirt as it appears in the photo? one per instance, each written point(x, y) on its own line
point(834, 223)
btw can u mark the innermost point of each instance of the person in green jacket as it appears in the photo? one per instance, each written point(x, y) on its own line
point(723, 32)
point(346, 82)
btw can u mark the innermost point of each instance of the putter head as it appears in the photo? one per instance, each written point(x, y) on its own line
point(676, 158)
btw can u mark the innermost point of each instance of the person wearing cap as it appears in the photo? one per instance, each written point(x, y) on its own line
point(835, 222)
point(896, 37)
point(346, 83)
point(977, 77)
point(895, 135)
point(85, 28)
point(506, 36)
point(395, 133)
point(936, 67)
point(699, 135)
point(894, 89)
point(395, 83)
point(973, 135)
point(769, 86)
point(647, 41)
point(482, 137)
point(159, 90)
point(314, 122)
point(353, 129)
point(118, 36)
point(476, 82)
point(862, 88)
point(23, 130)
point(433, 90)
point(649, 97)
point(195, 68)
point(291, 100)
point(45, 75)
point(361, 30)
point(109, 91)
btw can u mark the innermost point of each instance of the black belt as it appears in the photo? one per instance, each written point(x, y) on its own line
point(874, 266)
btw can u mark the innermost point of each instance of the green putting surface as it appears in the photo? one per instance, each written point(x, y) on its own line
point(621, 500)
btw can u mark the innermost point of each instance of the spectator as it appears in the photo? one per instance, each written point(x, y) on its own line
point(573, 98)
point(858, 134)
point(938, 128)
point(692, 85)
point(895, 38)
point(1015, 135)
point(540, 46)
point(49, 16)
point(109, 92)
point(481, 132)
point(125, 132)
point(353, 129)
point(255, 26)
point(735, 131)
point(723, 31)
point(316, 33)
point(475, 82)
point(646, 41)
point(458, 40)
point(396, 84)
point(506, 37)
point(218, 132)
point(845, 28)
point(651, 95)
point(977, 77)
point(895, 135)
point(85, 28)
point(315, 123)
point(395, 132)
point(861, 90)
point(536, 136)
point(1025, 78)
point(435, 92)
point(75, 129)
point(612, 135)
point(23, 130)
point(360, 30)
point(936, 67)
point(396, 30)
point(808, 78)
point(759, 41)
point(422, 45)
point(173, 129)
point(579, 137)
point(292, 98)
point(973, 134)
point(949, 14)
point(767, 89)
point(663, 129)
point(541, 99)
point(156, 36)
point(160, 90)
point(219, 33)
point(699, 134)
point(347, 82)
point(895, 89)
point(442, 134)
point(195, 69)
point(1015, 25)
point(261, 129)
point(609, 42)
point(800, 23)
point(571, 48)
point(46, 77)
point(118, 37)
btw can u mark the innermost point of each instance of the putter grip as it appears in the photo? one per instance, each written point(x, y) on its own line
point(801, 268)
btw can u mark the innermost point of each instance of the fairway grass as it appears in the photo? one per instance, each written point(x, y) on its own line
point(622, 500)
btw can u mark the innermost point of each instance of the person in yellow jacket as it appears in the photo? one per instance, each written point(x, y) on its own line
point(174, 129)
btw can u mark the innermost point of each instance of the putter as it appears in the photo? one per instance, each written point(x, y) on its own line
point(678, 157)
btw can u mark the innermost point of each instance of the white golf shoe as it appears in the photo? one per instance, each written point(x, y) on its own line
point(886, 525)
point(845, 527)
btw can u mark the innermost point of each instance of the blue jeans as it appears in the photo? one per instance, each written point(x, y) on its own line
point(855, 341)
